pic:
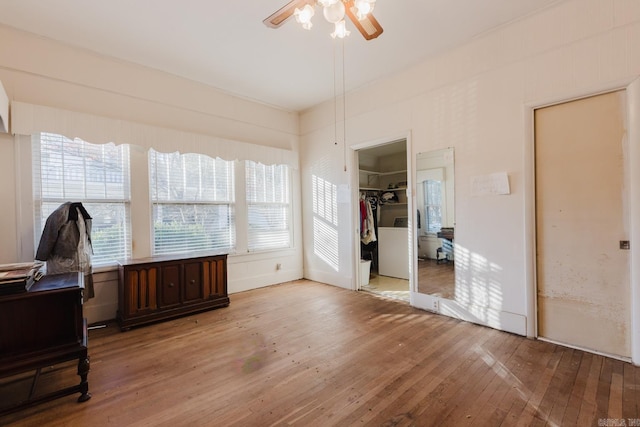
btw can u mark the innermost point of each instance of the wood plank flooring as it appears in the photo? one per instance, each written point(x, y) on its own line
point(390, 287)
point(436, 279)
point(309, 354)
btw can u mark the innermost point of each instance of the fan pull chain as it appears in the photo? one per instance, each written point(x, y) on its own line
point(335, 98)
point(344, 111)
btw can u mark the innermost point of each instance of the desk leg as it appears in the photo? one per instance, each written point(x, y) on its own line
point(83, 371)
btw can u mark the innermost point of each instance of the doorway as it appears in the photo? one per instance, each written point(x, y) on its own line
point(582, 224)
point(384, 220)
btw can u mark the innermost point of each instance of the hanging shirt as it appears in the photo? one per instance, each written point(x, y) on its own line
point(368, 231)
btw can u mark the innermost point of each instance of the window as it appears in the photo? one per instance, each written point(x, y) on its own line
point(192, 196)
point(97, 175)
point(433, 205)
point(268, 206)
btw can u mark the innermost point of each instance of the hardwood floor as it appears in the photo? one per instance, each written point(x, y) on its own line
point(309, 354)
point(436, 279)
point(390, 287)
point(433, 279)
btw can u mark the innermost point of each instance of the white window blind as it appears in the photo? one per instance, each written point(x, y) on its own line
point(193, 203)
point(268, 206)
point(97, 175)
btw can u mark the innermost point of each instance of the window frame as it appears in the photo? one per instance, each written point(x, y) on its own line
point(40, 199)
point(155, 201)
point(286, 205)
point(428, 204)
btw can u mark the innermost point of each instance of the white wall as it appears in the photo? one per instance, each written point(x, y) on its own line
point(474, 98)
point(39, 71)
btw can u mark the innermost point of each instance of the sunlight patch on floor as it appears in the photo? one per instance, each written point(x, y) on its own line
point(388, 286)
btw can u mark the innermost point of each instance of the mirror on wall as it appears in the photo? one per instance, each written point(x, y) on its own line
point(435, 225)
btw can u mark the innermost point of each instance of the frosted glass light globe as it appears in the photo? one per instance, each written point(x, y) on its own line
point(334, 13)
point(340, 30)
point(304, 15)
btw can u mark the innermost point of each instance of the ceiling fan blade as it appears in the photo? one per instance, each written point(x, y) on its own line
point(283, 14)
point(369, 27)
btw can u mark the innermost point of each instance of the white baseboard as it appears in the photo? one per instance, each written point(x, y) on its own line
point(486, 316)
point(255, 282)
point(340, 281)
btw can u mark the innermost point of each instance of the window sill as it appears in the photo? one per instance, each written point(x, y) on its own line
point(233, 258)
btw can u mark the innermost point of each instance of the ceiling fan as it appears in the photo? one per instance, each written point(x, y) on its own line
point(334, 11)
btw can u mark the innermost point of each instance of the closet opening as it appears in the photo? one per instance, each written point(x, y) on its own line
point(384, 220)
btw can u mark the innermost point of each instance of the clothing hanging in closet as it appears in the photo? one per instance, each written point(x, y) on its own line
point(367, 219)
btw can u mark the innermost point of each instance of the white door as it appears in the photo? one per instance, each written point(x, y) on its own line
point(582, 225)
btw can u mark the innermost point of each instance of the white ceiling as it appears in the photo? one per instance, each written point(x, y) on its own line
point(225, 44)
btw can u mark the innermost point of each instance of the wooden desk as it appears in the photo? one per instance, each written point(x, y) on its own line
point(43, 327)
point(446, 234)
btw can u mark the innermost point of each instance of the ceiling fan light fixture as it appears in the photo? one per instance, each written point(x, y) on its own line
point(334, 13)
point(304, 15)
point(358, 12)
point(364, 8)
point(340, 30)
point(326, 3)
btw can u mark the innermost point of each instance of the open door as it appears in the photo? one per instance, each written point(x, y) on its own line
point(382, 218)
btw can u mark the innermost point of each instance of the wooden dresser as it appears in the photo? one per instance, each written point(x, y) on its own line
point(43, 327)
point(159, 288)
